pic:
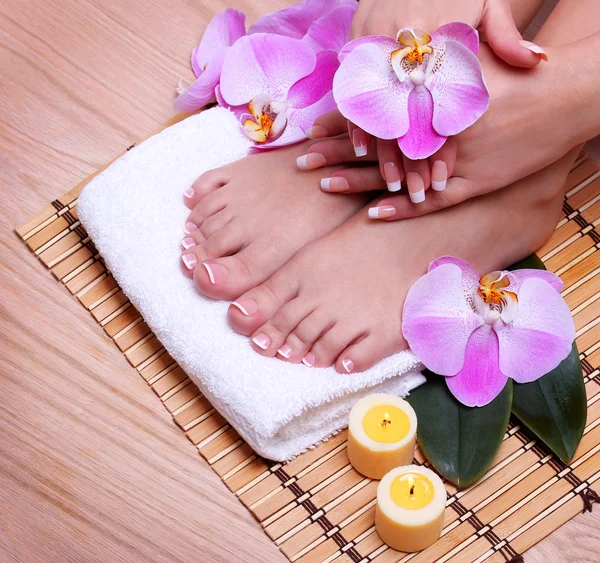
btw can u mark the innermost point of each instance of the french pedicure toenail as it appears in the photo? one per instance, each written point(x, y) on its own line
point(392, 177)
point(262, 341)
point(188, 242)
point(359, 141)
point(336, 184)
point(439, 175)
point(310, 161)
point(309, 360)
point(416, 187)
point(189, 228)
point(348, 365)
point(285, 351)
point(190, 261)
point(535, 49)
point(246, 306)
point(382, 212)
point(217, 274)
point(189, 193)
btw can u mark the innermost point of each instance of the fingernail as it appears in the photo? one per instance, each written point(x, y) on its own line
point(309, 360)
point(336, 184)
point(189, 228)
point(392, 176)
point(285, 351)
point(310, 161)
point(316, 132)
point(188, 242)
point(189, 192)
point(217, 274)
point(439, 175)
point(262, 341)
point(536, 49)
point(416, 187)
point(190, 261)
point(383, 212)
point(348, 365)
point(246, 306)
point(359, 140)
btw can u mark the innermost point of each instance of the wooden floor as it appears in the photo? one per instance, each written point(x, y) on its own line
point(92, 467)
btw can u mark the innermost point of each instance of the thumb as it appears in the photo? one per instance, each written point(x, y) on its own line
point(503, 37)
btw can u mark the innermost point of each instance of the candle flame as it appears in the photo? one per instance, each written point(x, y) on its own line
point(411, 484)
point(386, 419)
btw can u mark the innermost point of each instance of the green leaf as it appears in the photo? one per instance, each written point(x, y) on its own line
point(554, 407)
point(531, 262)
point(459, 441)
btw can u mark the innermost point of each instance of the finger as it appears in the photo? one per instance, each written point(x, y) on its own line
point(418, 178)
point(330, 124)
point(352, 180)
point(333, 151)
point(499, 27)
point(443, 162)
point(390, 163)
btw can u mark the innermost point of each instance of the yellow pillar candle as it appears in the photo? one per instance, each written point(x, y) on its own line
point(409, 515)
point(381, 434)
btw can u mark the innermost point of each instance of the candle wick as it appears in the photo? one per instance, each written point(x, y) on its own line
point(412, 490)
point(386, 420)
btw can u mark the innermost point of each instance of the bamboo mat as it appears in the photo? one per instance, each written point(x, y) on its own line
point(317, 508)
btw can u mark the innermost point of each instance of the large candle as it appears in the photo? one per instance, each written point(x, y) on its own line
point(409, 515)
point(381, 434)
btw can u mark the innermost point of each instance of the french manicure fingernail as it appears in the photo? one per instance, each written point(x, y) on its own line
point(416, 187)
point(336, 184)
point(189, 228)
point(316, 132)
point(190, 261)
point(536, 49)
point(285, 351)
point(359, 141)
point(309, 360)
point(392, 176)
point(348, 365)
point(188, 242)
point(217, 274)
point(262, 341)
point(310, 161)
point(189, 193)
point(439, 175)
point(246, 306)
point(382, 212)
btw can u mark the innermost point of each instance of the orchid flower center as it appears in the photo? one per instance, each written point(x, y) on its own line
point(267, 118)
point(413, 59)
point(493, 301)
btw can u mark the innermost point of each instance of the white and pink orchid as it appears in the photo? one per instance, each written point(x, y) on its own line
point(418, 89)
point(480, 331)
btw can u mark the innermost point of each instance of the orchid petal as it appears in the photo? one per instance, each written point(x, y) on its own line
point(480, 380)
point(262, 63)
point(202, 90)
point(294, 21)
point(460, 96)
point(541, 335)
point(457, 31)
point(438, 320)
point(470, 278)
point(387, 45)
point(332, 31)
point(313, 87)
point(222, 31)
point(517, 277)
point(421, 140)
point(368, 93)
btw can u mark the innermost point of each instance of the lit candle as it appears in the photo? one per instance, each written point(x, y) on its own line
point(381, 434)
point(410, 508)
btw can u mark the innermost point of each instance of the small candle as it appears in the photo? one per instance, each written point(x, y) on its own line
point(381, 434)
point(409, 515)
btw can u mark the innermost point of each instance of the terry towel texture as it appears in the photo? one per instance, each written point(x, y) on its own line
point(134, 212)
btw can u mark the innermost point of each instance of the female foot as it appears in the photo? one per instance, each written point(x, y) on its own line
point(250, 217)
point(340, 299)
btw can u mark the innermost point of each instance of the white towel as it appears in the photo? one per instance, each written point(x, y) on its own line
point(134, 212)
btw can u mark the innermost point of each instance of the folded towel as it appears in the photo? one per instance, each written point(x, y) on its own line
point(134, 212)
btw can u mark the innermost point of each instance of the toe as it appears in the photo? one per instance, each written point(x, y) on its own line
point(204, 185)
point(303, 337)
point(209, 206)
point(216, 222)
point(329, 346)
point(366, 352)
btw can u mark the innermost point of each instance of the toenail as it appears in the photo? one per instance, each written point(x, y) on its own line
point(309, 360)
point(348, 365)
point(190, 261)
point(246, 306)
point(188, 242)
point(310, 161)
point(189, 228)
point(382, 212)
point(189, 193)
point(216, 273)
point(262, 341)
point(285, 351)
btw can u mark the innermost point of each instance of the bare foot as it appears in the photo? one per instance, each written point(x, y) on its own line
point(250, 217)
point(340, 299)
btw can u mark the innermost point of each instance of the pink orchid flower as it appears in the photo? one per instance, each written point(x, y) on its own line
point(276, 86)
point(207, 59)
point(418, 89)
point(479, 332)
